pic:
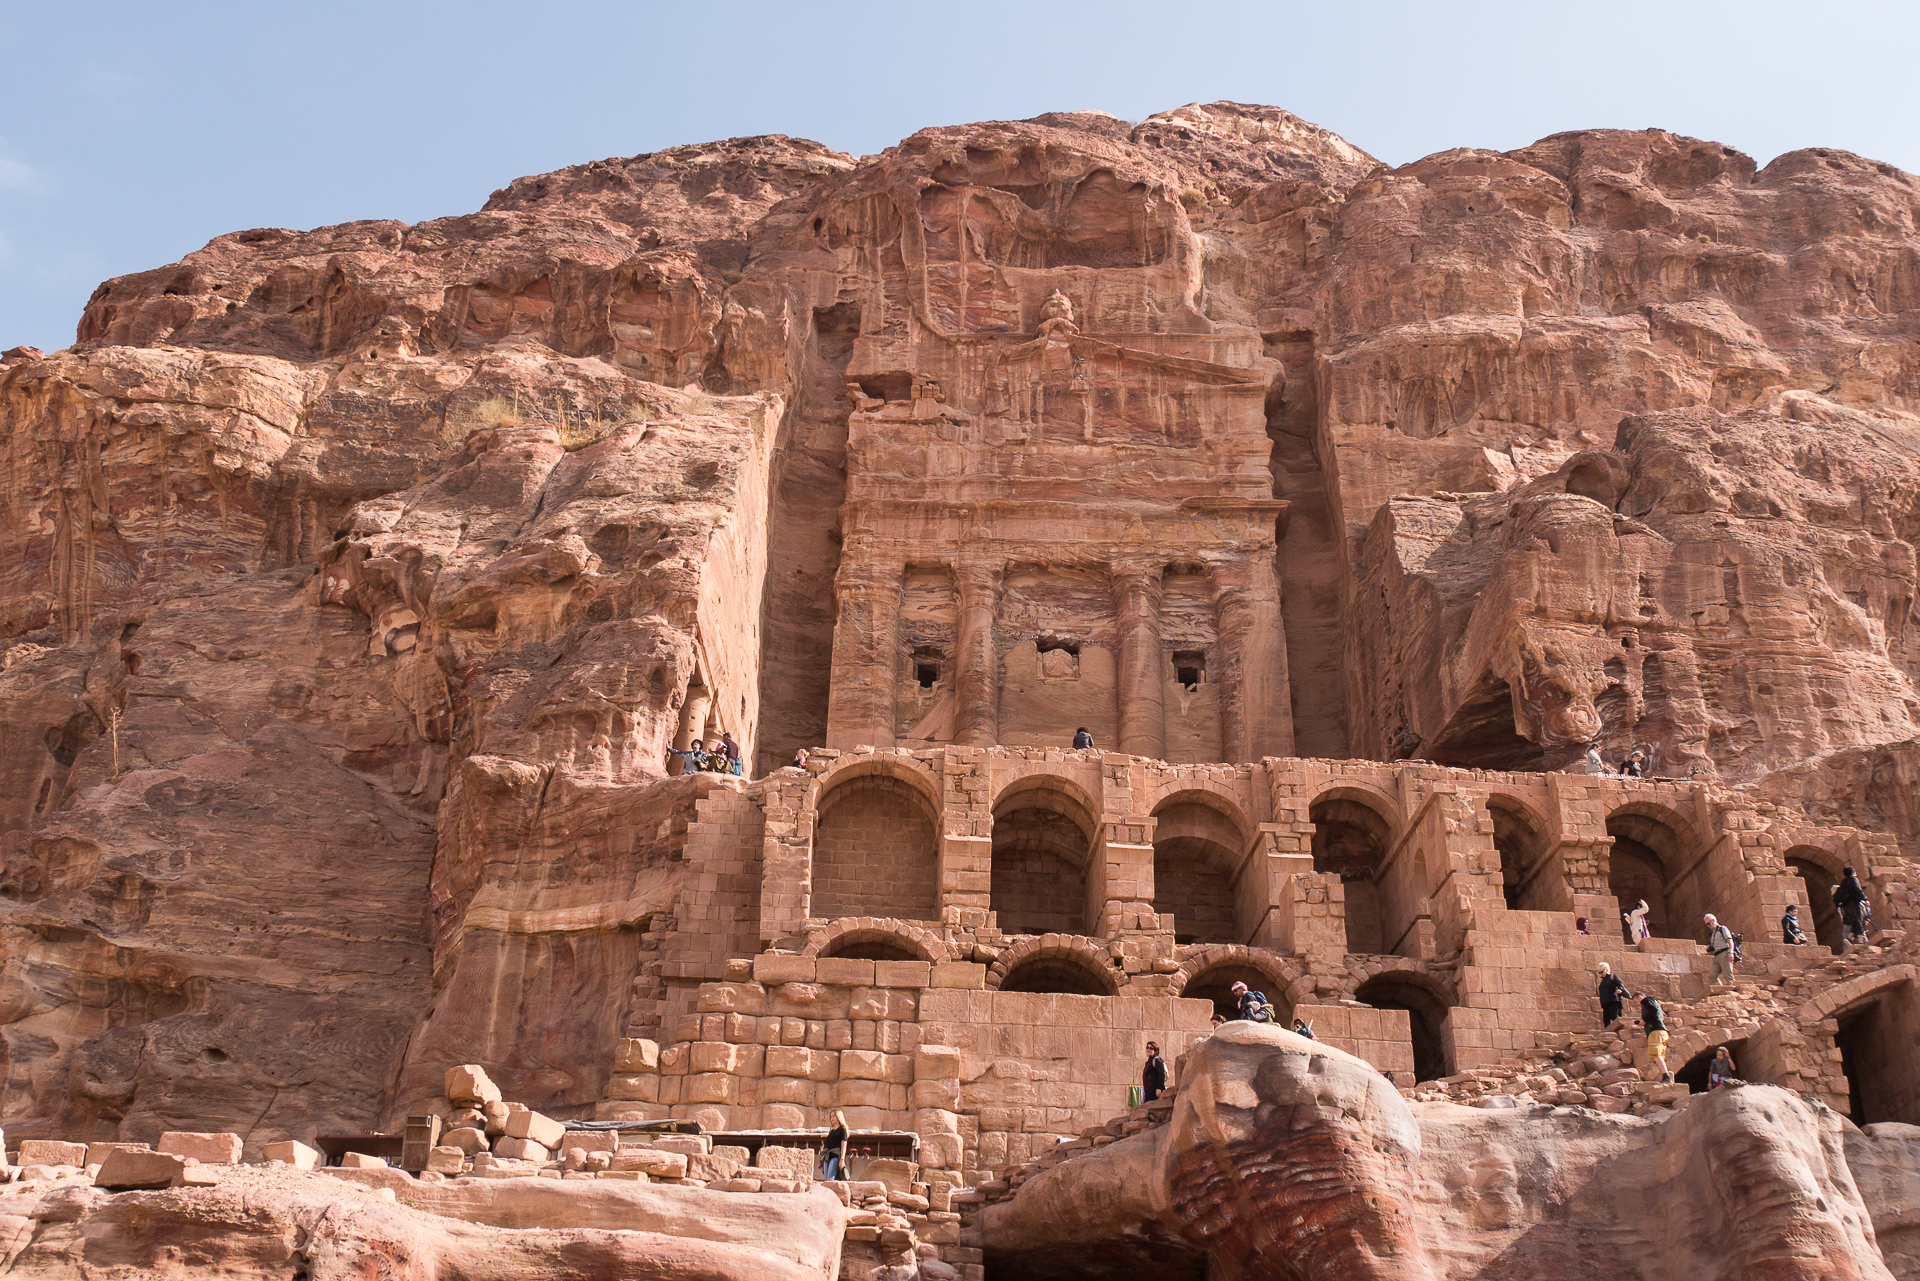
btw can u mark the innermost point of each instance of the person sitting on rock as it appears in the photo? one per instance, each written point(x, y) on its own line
point(1721, 1070)
point(1153, 1076)
point(1304, 1027)
point(1634, 766)
point(800, 759)
point(1790, 930)
point(1082, 739)
point(1654, 1020)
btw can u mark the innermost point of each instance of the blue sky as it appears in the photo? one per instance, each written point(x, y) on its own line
point(131, 134)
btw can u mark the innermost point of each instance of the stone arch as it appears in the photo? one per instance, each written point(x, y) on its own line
point(1197, 847)
point(1043, 832)
point(1819, 870)
point(1208, 973)
point(876, 847)
point(1650, 846)
point(1055, 963)
point(1520, 835)
point(1691, 1055)
point(1354, 827)
point(917, 942)
point(1879, 1020)
point(906, 769)
point(1426, 1001)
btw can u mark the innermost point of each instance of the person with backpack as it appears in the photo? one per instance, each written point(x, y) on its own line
point(1851, 898)
point(1251, 1006)
point(1719, 950)
point(1654, 1020)
point(1153, 1076)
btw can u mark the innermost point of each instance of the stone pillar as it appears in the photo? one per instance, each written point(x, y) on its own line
point(976, 721)
point(1255, 718)
point(1142, 683)
point(693, 721)
point(860, 702)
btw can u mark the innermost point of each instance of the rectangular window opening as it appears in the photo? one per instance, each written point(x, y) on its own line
point(926, 674)
point(1189, 667)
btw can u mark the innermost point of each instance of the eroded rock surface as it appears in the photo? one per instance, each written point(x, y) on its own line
point(357, 585)
point(1286, 1158)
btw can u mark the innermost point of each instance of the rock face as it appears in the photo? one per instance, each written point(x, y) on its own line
point(1284, 1157)
point(270, 1224)
point(367, 595)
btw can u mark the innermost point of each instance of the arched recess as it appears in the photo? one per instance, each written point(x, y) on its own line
point(1210, 973)
point(1879, 1019)
point(1650, 845)
point(1043, 830)
point(1426, 1011)
point(1054, 963)
point(1197, 845)
point(876, 850)
point(872, 939)
point(1520, 837)
point(1693, 1074)
point(1820, 872)
point(1351, 837)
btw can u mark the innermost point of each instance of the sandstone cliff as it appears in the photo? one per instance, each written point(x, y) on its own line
point(354, 583)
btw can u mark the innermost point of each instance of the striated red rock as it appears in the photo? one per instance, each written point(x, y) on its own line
point(356, 585)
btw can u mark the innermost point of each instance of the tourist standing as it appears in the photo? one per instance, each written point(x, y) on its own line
point(1719, 950)
point(1654, 1019)
point(1851, 898)
point(1153, 1076)
point(1790, 931)
point(833, 1161)
point(1612, 993)
point(1637, 922)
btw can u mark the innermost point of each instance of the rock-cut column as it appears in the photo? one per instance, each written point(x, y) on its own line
point(860, 702)
point(1255, 719)
point(1142, 682)
point(693, 723)
point(976, 721)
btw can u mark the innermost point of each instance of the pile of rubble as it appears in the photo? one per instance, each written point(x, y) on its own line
point(1607, 1070)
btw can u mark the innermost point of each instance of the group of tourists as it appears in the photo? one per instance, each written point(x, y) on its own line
point(1249, 1005)
point(722, 756)
point(1635, 766)
point(1856, 914)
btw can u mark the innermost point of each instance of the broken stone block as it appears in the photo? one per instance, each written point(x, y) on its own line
point(467, 1139)
point(544, 1130)
point(51, 1152)
point(796, 1162)
point(467, 1118)
point(574, 1158)
point(652, 1161)
point(592, 1140)
point(297, 1155)
point(683, 1143)
point(516, 1149)
point(598, 1161)
point(470, 1084)
point(136, 1168)
point(636, 1055)
point(97, 1153)
point(361, 1161)
point(446, 1160)
point(496, 1113)
point(211, 1149)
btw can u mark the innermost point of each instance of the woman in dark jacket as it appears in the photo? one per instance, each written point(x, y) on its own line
point(1153, 1077)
